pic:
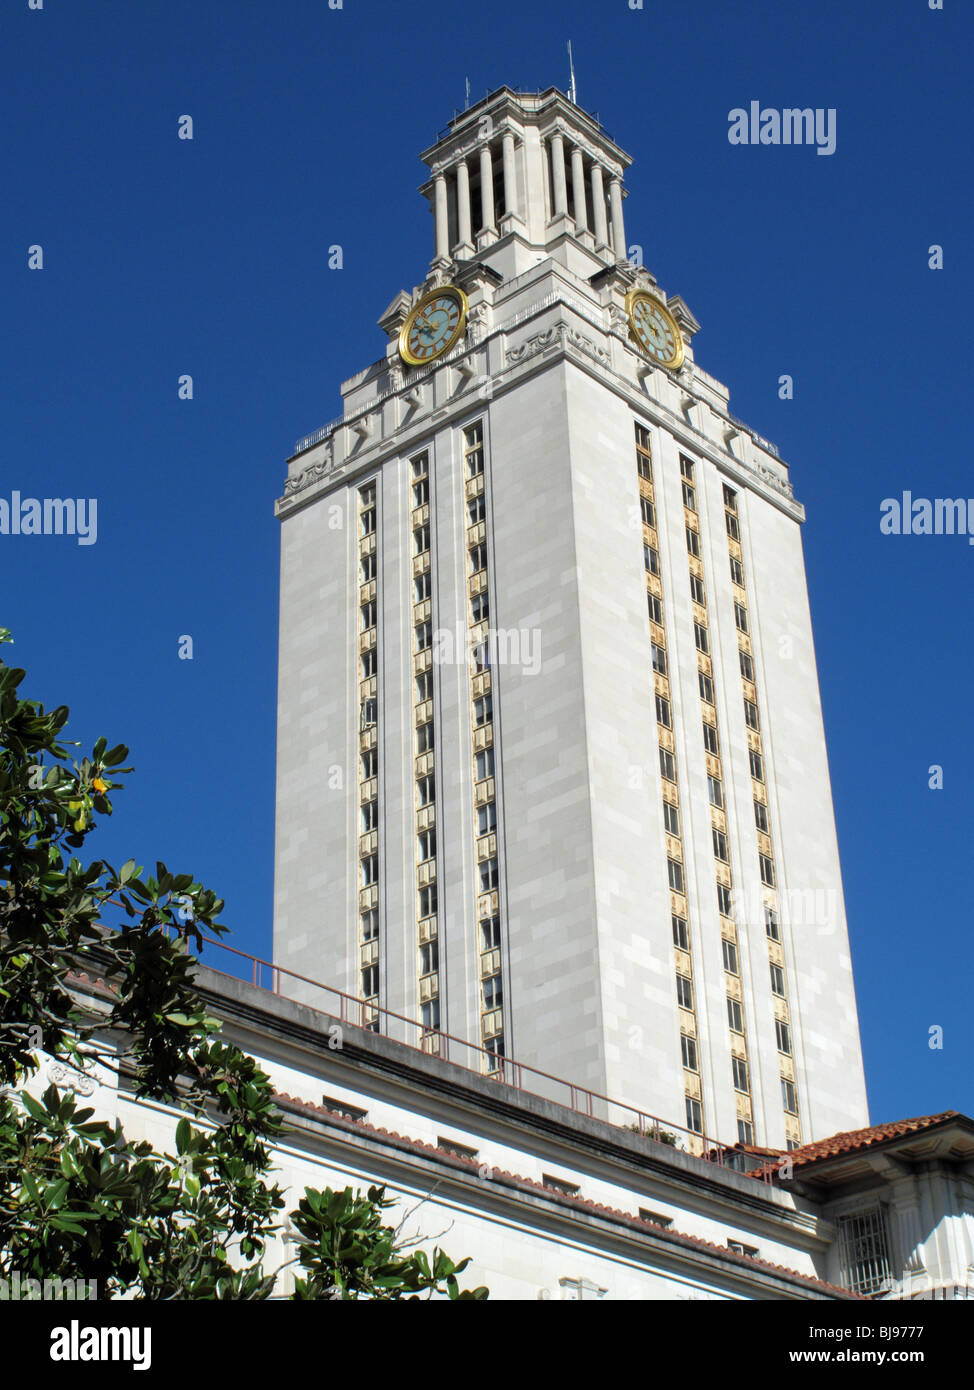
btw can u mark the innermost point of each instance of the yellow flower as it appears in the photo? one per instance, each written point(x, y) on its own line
point(99, 785)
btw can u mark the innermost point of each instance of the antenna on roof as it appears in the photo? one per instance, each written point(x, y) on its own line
point(466, 104)
point(572, 93)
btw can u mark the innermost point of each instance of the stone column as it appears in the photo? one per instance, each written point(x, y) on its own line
point(578, 190)
point(510, 179)
point(618, 226)
point(440, 214)
point(557, 147)
point(464, 233)
point(598, 203)
point(487, 189)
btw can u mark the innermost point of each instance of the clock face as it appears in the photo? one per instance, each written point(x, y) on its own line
point(433, 326)
point(654, 329)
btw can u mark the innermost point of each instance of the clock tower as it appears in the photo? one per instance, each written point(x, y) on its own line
point(552, 775)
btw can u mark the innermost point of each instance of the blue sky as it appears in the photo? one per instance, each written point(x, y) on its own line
point(210, 257)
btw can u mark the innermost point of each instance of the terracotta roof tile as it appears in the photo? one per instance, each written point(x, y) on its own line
point(852, 1140)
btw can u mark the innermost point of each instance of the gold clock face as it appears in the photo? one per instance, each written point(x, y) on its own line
point(433, 326)
point(655, 329)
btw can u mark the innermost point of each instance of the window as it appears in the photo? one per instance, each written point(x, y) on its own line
point(663, 715)
point(651, 559)
point(425, 738)
point(370, 764)
point(488, 875)
point(777, 980)
point(370, 981)
point(370, 870)
point(642, 437)
point(789, 1096)
point(725, 901)
point(666, 764)
point(783, 1037)
point(426, 844)
point(486, 818)
point(478, 557)
point(368, 615)
point(479, 608)
point(421, 492)
point(483, 710)
point(367, 522)
point(675, 871)
point(671, 818)
point(648, 511)
point(485, 764)
point(655, 609)
point(422, 586)
point(689, 497)
point(421, 539)
point(693, 542)
point(644, 467)
point(688, 1047)
point(694, 1115)
point(426, 791)
point(420, 465)
point(761, 816)
point(493, 992)
point(771, 924)
point(733, 529)
point(697, 592)
point(706, 687)
point(730, 498)
point(681, 936)
point(747, 666)
point(655, 1218)
point(568, 1189)
point(684, 992)
point(735, 1016)
point(731, 963)
point(659, 660)
point(431, 1015)
point(720, 846)
point(715, 788)
point(370, 663)
point(481, 657)
point(710, 740)
point(369, 923)
point(864, 1243)
point(686, 467)
point(494, 1048)
point(451, 1146)
point(757, 765)
point(745, 1132)
point(368, 567)
point(739, 1070)
point(737, 572)
point(473, 441)
point(424, 686)
point(476, 509)
point(429, 958)
point(424, 636)
point(370, 815)
point(767, 870)
point(739, 1248)
point(740, 617)
point(490, 933)
point(370, 712)
point(751, 715)
point(428, 901)
point(702, 638)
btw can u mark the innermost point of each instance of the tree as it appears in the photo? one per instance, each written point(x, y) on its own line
point(78, 1201)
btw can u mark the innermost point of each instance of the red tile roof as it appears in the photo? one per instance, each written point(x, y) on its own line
point(677, 1238)
point(854, 1139)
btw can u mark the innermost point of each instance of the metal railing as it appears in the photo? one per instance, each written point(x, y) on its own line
point(519, 1076)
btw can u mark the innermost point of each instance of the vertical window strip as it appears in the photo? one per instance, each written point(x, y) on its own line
point(368, 693)
point(489, 976)
point(766, 855)
point(679, 902)
point(730, 946)
point(424, 756)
